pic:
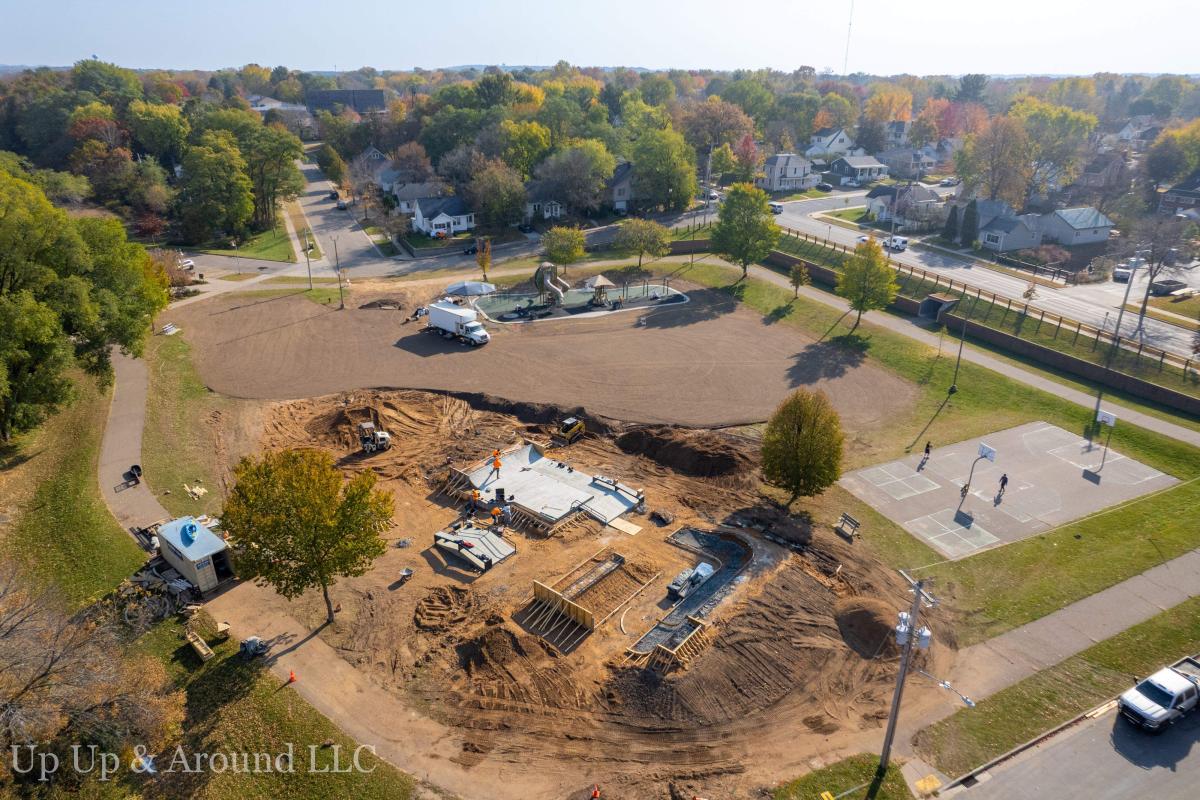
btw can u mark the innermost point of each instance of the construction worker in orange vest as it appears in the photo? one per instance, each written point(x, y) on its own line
point(496, 512)
point(474, 500)
point(495, 467)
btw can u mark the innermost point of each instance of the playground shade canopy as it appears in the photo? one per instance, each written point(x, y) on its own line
point(470, 288)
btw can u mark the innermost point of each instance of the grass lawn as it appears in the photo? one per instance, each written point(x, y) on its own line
point(64, 533)
point(1154, 313)
point(700, 230)
point(177, 443)
point(235, 706)
point(325, 294)
point(239, 276)
point(1184, 306)
point(272, 245)
point(845, 775)
point(300, 223)
point(855, 214)
point(972, 737)
point(419, 241)
point(807, 194)
point(1003, 588)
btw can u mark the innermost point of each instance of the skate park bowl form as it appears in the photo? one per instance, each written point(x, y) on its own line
point(527, 306)
point(1054, 477)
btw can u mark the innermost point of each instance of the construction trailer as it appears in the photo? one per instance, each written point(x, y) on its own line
point(196, 553)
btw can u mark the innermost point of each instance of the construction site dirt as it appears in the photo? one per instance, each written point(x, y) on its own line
point(708, 362)
point(797, 665)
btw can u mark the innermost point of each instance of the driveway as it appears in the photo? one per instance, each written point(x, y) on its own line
point(1097, 307)
point(1102, 758)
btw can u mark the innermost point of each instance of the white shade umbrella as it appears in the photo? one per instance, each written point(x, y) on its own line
point(470, 288)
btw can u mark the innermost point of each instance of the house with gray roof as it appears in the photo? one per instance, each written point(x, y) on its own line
point(361, 101)
point(858, 168)
point(407, 193)
point(1074, 226)
point(1181, 197)
point(832, 142)
point(620, 187)
point(787, 172)
point(910, 204)
point(1005, 234)
point(442, 216)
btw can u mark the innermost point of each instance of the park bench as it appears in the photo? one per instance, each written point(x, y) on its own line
point(847, 526)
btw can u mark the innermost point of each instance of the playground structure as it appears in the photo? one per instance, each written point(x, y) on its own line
point(544, 495)
point(549, 284)
point(564, 613)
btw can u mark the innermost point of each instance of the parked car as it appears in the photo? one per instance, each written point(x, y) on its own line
point(333, 194)
point(1162, 699)
point(470, 251)
point(525, 227)
point(187, 263)
point(850, 183)
point(824, 187)
point(714, 195)
point(776, 208)
point(897, 243)
point(342, 206)
point(1166, 287)
point(951, 181)
point(862, 239)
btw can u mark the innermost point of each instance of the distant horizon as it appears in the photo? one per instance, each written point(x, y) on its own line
point(926, 38)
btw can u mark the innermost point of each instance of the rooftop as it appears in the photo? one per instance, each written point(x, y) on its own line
point(1083, 217)
point(451, 206)
point(192, 539)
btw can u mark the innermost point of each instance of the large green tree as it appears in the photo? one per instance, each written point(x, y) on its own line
point(996, 162)
point(34, 357)
point(523, 145)
point(577, 176)
point(745, 232)
point(158, 129)
point(664, 172)
point(867, 281)
point(215, 194)
point(644, 237)
point(1057, 139)
point(497, 194)
point(271, 154)
point(564, 245)
point(802, 445)
point(296, 525)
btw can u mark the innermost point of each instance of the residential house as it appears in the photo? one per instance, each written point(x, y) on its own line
point(909, 205)
point(858, 168)
point(1182, 196)
point(909, 161)
point(295, 116)
point(896, 133)
point(361, 101)
point(988, 210)
point(1104, 171)
point(787, 172)
point(1133, 128)
point(831, 142)
point(1075, 226)
point(1146, 138)
point(620, 187)
point(442, 216)
point(407, 194)
point(1005, 234)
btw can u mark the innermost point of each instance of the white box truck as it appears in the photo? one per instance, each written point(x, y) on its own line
point(456, 322)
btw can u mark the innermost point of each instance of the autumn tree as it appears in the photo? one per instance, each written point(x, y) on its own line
point(578, 175)
point(331, 164)
point(297, 525)
point(798, 276)
point(271, 155)
point(713, 123)
point(887, 104)
point(1057, 138)
point(564, 245)
point(160, 130)
point(664, 170)
point(724, 162)
point(747, 157)
point(802, 445)
point(497, 193)
point(996, 161)
point(745, 232)
point(867, 281)
point(523, 145)
point(411, 160)
point(644, 237)
point(835, 111)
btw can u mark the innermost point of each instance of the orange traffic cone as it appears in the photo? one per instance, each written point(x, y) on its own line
point(595, 791)
point(292, 677)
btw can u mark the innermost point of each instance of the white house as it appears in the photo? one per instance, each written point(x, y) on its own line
point(1071, 226)
point(896, 133)
point(832, 142)
point(784, 172)
point(441, 216)
point(407, 194)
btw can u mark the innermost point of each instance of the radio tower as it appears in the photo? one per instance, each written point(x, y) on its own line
point(849, 27)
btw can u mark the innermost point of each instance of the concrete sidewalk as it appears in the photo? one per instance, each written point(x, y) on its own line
point(910, 329)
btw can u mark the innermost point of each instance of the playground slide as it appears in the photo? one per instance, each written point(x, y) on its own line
point(555, 280)
point(557, 292)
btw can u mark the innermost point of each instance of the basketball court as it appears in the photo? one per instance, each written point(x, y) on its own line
point(1054, 477)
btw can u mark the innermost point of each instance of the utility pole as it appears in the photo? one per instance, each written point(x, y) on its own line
point(1133, 265)
point(908, 636)
point(338, 269)
point(961, 341)
point(308, 261)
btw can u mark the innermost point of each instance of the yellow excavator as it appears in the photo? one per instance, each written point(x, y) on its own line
point(568, 431)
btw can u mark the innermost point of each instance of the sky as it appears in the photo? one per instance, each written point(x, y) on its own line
point(922, 37)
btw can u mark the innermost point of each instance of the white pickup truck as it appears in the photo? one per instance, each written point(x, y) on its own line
point(456, 322)
point(1158, 701)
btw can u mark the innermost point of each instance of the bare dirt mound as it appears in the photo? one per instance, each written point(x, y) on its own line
point(866, 626)
point(703, 454)
point(443, 608)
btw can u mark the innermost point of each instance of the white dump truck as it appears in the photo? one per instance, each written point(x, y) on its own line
point(1164, 697)
point(453, 321)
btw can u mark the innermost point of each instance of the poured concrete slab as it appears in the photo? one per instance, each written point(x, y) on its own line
point(1054, 477)
point(549, 487)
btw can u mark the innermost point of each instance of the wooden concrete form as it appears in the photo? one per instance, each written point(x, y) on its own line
point(664, 659)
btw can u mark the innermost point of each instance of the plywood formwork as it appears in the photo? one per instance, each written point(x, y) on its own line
point(665, 659)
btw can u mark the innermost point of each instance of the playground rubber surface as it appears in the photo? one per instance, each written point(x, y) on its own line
point(704, 363)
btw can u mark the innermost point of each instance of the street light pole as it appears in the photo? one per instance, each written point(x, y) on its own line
point(908, 636)
point(337, 267)
point(961, 340)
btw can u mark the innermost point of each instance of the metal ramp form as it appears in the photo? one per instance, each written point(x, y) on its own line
point(480, 548)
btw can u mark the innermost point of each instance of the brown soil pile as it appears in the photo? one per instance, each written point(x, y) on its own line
point(866, 626)
point(702, 454)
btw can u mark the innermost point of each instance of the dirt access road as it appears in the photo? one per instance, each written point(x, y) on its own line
point(704, 363)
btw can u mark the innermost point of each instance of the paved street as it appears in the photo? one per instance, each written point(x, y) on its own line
point(1101, 759)
point(1095, 304)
